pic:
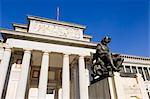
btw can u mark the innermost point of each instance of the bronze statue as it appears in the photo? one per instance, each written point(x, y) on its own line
point(103, 61)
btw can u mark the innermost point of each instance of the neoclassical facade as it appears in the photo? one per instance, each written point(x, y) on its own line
point(49, 59)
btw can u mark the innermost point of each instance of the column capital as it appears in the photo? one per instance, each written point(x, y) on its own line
point(66, 54)
point(27, 51)
point(81, 56)
point(46, 51)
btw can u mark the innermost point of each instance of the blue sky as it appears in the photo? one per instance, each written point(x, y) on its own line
point(125, 21)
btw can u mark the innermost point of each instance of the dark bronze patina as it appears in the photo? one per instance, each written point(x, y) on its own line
point(103, 61)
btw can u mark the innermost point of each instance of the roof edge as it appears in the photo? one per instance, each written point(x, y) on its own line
point(87, 36)
point(135, 57)
point(20, 25)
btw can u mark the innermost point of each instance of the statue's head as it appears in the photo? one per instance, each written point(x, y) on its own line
point(106, 40)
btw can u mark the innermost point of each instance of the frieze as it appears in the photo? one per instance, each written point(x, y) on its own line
point(55, 30)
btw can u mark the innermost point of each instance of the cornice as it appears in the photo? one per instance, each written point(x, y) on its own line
point(87, 36)
point(135, 57)
point(20, 25)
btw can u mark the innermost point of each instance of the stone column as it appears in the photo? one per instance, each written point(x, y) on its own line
point(131, 69)
point(112, 87)
point(82, 84)
point(14, 78)
point(119, 87)
point(124, 67)
point(60, 93)
point(144, 73)
point(137, 69)
point(21, 89)
point(65, 78)
point(87, 77)
point(43, 76)
point(148, 72)
point(4, 67)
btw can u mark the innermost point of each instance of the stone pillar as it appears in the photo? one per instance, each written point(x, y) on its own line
point(82, 84)
point(43, 76)
point(65, 78)
point(131, 69)
point(21, 89)
point(124, 67)
point(119, 88)
point(14, 78)
point(137, 70)
point(4, 67)
point(144, 73)
point(148, 72)
point(60, 93)
point(87, 77)
point(112, 88)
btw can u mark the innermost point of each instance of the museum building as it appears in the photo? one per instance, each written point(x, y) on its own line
point(50, 59)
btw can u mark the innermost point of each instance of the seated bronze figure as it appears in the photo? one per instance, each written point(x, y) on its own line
point(103, 61)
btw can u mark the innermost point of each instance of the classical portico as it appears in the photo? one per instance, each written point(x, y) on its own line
point(53, 58)
point(49, 58)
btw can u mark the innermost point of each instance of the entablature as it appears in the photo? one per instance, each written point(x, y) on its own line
point(47, 39)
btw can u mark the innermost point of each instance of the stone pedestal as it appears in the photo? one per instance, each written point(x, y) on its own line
point(100, 90)
point(120, 86)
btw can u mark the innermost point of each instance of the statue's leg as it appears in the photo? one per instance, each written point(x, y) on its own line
point(103, 65)
point(111, 61)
